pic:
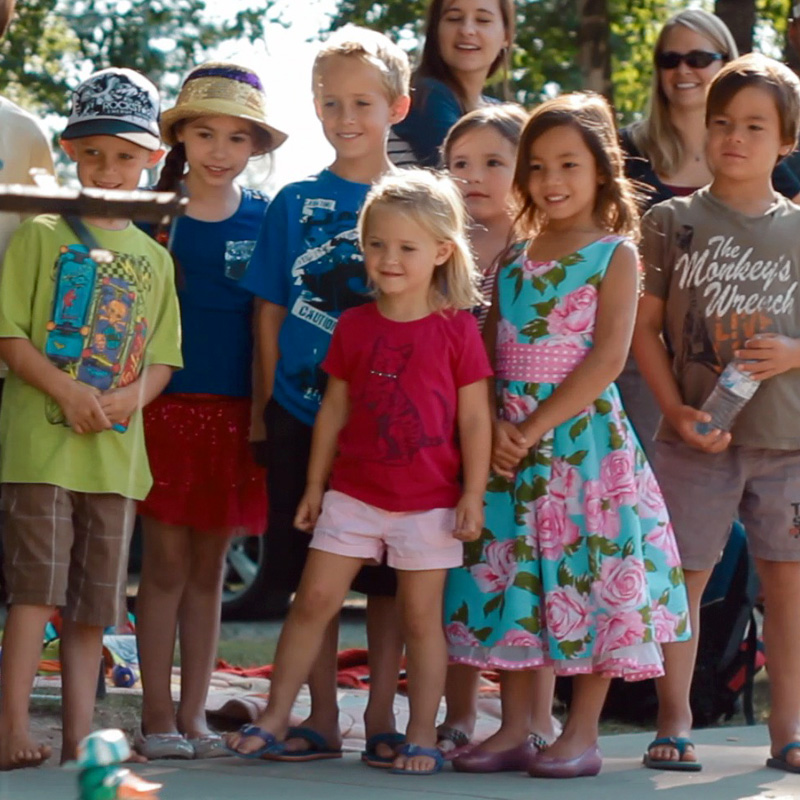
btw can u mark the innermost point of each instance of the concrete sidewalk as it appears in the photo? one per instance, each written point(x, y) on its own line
point(733, 761)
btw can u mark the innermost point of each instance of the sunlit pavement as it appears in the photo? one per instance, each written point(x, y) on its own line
point(733, 761)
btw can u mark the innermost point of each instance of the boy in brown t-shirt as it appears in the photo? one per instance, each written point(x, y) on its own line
point(722, 270)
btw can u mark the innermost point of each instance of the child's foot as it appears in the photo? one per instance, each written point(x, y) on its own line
point(18, 751)
point(253, 740)
point(503, 739)
point(415, 759)
point(570, 746)
point(454, 736)
point(328, 731)
point(546, 733)
point(382, 749)
point(671, 747)
point(780, 736)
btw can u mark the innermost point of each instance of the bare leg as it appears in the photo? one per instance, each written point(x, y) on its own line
point(461, 698)
point(582, 727)
point(516, 695)
point(674, 711)
point(781, 582)
point(22, 648)
point(542, 721)
point(419, 597)
point(198, 624)
point(326, 579)
point(385, 650)
point(324, 716)
point(165, 570)
point(81, 650)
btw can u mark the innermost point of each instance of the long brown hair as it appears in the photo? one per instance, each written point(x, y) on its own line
point(590, 115)
point(431, 63)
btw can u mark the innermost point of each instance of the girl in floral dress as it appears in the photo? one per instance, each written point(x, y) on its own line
point(577, 566)
point(480, 153)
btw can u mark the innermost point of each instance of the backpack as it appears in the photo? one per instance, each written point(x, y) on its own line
point(729, 652)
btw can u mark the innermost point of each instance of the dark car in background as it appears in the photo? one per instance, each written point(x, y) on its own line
point(245, 594)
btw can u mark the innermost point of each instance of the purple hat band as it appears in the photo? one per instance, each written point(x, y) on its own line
point(226, 72)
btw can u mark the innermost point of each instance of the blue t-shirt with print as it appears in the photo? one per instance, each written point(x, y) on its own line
point(216, 312)
point(307, 259)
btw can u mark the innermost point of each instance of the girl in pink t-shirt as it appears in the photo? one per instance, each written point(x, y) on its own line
point(407, 380)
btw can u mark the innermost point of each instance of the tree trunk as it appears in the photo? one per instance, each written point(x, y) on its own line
point(594, 53)
point(740, 17)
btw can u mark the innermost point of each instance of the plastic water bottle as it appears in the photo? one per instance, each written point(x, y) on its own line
point(731, 394)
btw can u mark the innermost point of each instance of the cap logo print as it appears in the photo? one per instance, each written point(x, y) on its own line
point(112, 96)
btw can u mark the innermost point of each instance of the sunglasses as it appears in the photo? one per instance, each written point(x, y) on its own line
point(696, 59)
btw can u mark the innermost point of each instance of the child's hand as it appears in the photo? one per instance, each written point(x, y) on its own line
point(770, 354)
point(82, 410)
point(119, 404)
point(509, 447)
point(469, 518)
point(308, 510)
point(685, 418)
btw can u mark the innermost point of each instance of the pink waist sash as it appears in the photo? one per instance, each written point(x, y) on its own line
point(537, 363)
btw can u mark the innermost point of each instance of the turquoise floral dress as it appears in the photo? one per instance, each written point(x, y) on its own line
point(577, 566)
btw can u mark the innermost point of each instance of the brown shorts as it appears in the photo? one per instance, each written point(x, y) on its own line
point(67, 549)
point(705, 492)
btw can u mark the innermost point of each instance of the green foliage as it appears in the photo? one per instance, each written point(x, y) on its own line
point(34, 53)
point(635, 25)
point(53, 43)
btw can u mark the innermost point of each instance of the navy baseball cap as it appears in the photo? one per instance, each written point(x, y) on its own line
point(116, 102)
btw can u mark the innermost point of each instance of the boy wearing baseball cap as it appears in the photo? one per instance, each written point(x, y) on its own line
point(89, 328)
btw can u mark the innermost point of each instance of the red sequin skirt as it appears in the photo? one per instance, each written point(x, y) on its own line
point(204, 475)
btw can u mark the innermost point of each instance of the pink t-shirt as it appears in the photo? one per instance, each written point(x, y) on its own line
point(398, 449)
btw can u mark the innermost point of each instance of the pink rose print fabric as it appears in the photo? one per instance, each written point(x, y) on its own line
point(577, 566)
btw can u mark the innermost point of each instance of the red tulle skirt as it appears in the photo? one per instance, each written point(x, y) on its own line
point(204, 475)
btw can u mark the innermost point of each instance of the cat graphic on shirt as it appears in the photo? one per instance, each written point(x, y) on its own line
point(399, 424)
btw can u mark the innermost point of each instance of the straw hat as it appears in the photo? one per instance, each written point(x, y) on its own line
point(225, 89)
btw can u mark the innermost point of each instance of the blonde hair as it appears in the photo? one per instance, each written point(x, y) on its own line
point(369, 47)
point(655, 136)
point(590, 115)
point(433, 202)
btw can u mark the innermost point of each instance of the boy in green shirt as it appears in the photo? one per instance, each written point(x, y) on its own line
point(90, 337)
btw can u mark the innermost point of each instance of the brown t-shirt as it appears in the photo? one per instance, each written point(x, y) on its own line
point(724, 277)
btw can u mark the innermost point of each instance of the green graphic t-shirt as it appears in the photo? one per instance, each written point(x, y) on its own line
point(99, 317)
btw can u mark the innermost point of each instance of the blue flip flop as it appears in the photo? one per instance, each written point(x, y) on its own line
point(416, 750)
point(680, 743)
point(270, 742)
point(318, 748)
point(780, 761)
point(370, 756)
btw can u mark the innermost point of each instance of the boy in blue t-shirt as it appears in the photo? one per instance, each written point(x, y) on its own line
point(306, 270)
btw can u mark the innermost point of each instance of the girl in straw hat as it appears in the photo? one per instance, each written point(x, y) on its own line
point(206, 484)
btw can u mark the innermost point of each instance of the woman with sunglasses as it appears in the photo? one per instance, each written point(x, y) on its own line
point(666, 149)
